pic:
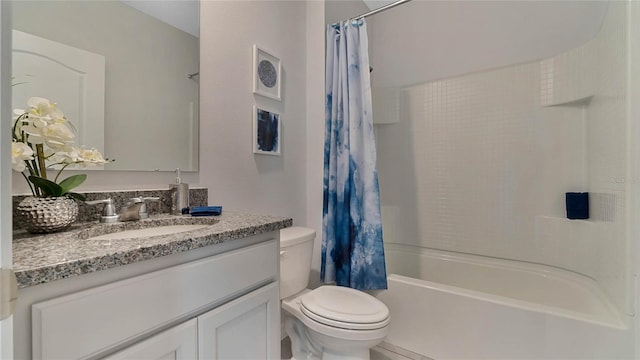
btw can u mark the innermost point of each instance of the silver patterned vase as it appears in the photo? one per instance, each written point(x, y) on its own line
point(46, 214)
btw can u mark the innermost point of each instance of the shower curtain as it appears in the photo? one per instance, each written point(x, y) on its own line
point(352, 251)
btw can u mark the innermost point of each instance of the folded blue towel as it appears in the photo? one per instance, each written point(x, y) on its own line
point(577, 205)
point(206, 210)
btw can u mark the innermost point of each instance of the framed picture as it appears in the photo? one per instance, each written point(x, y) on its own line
point(267, 137)
point(266, 74)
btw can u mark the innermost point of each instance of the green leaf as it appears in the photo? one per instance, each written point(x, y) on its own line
point(72, 182)
point(77, 196)
point(48, 187)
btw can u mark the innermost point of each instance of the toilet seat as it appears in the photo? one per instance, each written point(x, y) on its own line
point(344, 308)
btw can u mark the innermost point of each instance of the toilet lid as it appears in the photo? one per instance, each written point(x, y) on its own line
point(345, 308)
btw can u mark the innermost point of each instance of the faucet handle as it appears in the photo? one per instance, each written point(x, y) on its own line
point(135, 200)
point(108, 211)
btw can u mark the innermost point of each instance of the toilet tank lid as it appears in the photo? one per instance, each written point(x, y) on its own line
point(295, 235)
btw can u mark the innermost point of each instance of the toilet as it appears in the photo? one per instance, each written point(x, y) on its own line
point(330, 322)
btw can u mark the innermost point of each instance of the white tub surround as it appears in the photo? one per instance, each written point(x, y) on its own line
point(498, 309)
point(488, 156)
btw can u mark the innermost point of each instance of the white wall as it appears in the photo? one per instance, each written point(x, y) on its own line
point(633, 193)
point(315, 127)
point(237, 178)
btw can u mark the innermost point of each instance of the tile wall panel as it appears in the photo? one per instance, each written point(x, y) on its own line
point(480, 163)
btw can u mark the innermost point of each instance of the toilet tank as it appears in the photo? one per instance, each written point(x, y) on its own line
point(296, 247)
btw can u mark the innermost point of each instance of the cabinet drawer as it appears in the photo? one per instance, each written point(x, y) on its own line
point(91, 321)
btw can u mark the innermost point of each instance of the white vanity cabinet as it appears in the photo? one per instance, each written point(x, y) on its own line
point(218, 307)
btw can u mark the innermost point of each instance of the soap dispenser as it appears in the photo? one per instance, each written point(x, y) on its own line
point(179, 195)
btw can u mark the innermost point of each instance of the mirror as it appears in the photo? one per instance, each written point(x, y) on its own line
point(127, 80)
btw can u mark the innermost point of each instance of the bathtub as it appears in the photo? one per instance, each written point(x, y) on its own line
point(456, 306)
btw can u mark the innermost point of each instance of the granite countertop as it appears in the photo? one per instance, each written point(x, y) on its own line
point(38, 259)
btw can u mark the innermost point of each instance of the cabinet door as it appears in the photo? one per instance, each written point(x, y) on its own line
point(179, 342)
point(246, 328)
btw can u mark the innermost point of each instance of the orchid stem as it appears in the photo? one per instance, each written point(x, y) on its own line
point(60, 172)
point(40, 155)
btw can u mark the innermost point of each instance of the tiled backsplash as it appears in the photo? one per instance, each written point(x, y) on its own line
point(197, 197)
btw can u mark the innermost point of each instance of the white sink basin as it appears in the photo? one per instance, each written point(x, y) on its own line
point(153, 231)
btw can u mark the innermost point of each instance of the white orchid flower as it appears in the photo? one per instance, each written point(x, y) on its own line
point(55, 135)
point(91, 157)
point(34, 134)
point(78, 155)
point(41, 113)
point(20, 152)
point(43, 109)
point(66, 155)
point(43, 126)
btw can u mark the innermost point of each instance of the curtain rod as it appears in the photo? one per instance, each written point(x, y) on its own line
point(380, 9)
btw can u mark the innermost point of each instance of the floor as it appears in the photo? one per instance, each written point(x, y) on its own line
point(384, 351)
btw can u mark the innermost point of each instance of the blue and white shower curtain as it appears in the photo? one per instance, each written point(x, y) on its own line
point(352, 251)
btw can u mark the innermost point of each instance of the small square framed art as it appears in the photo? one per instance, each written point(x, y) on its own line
point(267, 135)
point(267, 70)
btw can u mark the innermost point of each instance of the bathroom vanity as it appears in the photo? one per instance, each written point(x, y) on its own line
point(211, 292)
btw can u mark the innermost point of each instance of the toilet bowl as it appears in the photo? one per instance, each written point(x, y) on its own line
point(330, 322)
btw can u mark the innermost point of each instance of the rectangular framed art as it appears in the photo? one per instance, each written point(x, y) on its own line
point(267, 136)
point(267, 71)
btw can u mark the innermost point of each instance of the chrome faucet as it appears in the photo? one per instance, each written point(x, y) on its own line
point(131, 211)
point(135, 209)
point(140, 203)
